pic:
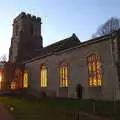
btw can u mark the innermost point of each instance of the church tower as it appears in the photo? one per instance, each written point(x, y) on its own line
point(26, 37)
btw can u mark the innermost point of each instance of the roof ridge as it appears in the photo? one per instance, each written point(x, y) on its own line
point(60, 41)
point(68, 38)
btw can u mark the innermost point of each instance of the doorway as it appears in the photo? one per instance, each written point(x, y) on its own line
point(79, 90)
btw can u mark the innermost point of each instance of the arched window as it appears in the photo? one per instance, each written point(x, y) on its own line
point(94, 70)
point(25, 80)
point(63, 75)
point(43, 76)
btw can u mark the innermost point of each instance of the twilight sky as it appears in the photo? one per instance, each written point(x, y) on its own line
point(60, 18)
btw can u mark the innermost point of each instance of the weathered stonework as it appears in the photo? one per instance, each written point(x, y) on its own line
point(26, 37)
point(27, 49)
point(78, 72)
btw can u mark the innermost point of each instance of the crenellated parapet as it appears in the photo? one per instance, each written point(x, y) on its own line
point(26, 36)
point(27, 16)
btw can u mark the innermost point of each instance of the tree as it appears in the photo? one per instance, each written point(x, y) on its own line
point(108, 27)
point(3, 58)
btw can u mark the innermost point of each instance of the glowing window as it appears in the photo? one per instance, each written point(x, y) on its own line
point(94, 70)
point(0, 80)
point(0, 76)
point(13, 85)
point(63, 75)
point(25, 80)
point(43, 76)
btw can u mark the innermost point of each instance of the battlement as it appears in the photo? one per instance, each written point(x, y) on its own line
point(26, 30)
point(24, 15)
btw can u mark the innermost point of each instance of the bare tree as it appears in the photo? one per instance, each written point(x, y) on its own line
point(108, 27)
point(3, 58)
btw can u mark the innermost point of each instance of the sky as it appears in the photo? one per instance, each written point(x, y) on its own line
point(60, 18)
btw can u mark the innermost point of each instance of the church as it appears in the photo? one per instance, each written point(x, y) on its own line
point(68, 68)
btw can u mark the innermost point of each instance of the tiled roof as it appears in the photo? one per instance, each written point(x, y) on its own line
point(68, 44)
point(58, 46)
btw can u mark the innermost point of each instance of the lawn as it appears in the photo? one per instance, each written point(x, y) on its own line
point(58, 109)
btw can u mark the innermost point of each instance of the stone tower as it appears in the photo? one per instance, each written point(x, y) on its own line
point(26, 37)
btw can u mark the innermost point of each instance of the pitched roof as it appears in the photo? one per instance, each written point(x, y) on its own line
point(58, 46)
point(70, 43)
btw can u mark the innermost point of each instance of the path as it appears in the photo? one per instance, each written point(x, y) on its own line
point(87, 116)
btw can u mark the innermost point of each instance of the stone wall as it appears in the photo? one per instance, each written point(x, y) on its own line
point(78, 71)
point(26, 37)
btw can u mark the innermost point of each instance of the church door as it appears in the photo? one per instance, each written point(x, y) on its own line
point(79, 90)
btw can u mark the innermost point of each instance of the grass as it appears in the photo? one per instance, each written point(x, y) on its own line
point(58, 109)
point(26, 110)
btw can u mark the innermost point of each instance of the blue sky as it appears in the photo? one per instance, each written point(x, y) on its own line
point(60, 18)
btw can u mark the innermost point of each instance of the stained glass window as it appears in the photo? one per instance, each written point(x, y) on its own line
point(63, 75)
point(94, 70)
point(43, 76)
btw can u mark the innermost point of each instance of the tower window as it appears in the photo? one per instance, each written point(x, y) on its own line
point(16, 30)
point(31, 30)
